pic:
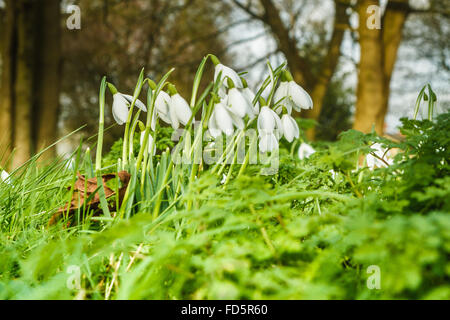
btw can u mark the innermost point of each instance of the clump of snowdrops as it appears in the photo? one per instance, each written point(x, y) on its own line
point(225, 111)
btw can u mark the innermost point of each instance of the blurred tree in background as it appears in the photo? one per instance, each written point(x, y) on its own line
point(30, 77)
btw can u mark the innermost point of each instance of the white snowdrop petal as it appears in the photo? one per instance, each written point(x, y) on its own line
point(173, 117)
point(305, 151)
point(263, 143)
point(139, 104)
point(181, 107)
point(153, 123)
point(237, 121)
point(278, 126)
point(222, 92)
point(248, 95)
point(237, 102)
point(267, 142)
point(120, 109)
point(149, 142)
point(227, 72)
point(214, 130)
point(162, 106)
point(300, 98)
point(223, 119)
point(266, 120)
point(281, 93)
point(290, 128)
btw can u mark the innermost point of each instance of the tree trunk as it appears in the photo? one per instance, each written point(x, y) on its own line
point(23, 88)
point(328, 66)
point(48, 78)
point(371, 85)
point(30, 78)
point(393, 22)
point(7, 82)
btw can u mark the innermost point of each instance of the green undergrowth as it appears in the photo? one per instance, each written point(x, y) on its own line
point(312, 231)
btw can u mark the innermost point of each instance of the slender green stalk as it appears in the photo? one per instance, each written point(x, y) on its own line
point(101, 125)
point(136, 94)
point(132, 132)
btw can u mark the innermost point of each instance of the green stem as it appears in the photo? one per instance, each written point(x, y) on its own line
point(160, 193)
point(137, 91)
point(101, 125)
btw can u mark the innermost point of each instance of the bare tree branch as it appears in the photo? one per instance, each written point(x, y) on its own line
point(247, 9)
point(258, 61)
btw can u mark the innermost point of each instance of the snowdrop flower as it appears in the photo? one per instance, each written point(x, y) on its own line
point(120, 108)
point(226, 72)
point(249, 96)
point(269, 129)
point(269, 121)
point(305, 151)
point(121, 103)
point(220, 121)
point(373, 162)
point(237, 103)
point(5, 177)
point(267, 142)
point(180, 110)
point(162, 107)
point(176, 110)
point(292, 95)
point(290, 128)
point(149, 143)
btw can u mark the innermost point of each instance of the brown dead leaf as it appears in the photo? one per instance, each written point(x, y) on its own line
point(83, 189)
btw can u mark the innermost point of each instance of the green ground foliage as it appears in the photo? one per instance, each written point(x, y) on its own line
point(304, 233)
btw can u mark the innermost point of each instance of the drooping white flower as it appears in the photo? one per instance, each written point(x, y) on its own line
point(305, 151)
point(269, 121)
point(179, 110)
point(267, 142)
point(227, 72)
point(290, 128)
point(249, 97)
point(381, 153)
point(5, 177)
point(120, 108)
point(220, 121)
point(282, 94)
point(213, 127)
point(266, 121)
point(149, 143)
point(121, 104)
point(237, 103)
point(291, 96)
point(300, 98)
point(269, 129)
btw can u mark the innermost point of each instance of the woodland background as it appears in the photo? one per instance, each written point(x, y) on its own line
point(357, 77)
